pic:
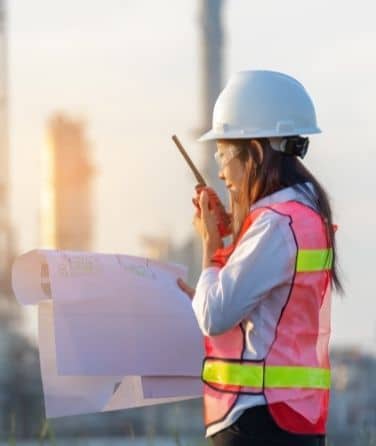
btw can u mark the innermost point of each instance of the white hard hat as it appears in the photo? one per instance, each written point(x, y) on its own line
point(258, 104)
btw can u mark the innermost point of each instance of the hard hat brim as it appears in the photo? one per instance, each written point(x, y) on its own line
point(213, 135)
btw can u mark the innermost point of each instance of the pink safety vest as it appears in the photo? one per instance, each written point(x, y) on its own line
point(294, 376)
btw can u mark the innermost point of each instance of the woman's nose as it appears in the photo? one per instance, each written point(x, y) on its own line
point(220, 175)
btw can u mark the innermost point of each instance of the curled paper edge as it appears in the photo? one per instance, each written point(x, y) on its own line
point(27, 283)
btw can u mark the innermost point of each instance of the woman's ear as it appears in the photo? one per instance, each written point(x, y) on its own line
point(256, 151)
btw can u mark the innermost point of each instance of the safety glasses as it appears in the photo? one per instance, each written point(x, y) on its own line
point(224, 158)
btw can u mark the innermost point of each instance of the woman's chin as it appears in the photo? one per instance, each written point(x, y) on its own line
point(234, 195)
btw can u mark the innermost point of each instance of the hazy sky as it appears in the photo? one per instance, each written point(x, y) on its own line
point(131, 69)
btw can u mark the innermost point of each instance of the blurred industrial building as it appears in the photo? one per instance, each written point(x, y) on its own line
point(67, 171)
point(7, 247)
point(19, 367)
point(212, 38)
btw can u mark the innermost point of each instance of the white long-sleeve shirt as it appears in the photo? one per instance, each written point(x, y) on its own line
point(251, 289)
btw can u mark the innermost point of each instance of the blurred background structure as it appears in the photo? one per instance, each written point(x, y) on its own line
point(211, 38)
point(20, 384)
point(67, 193)
point(136, 85)
point(7, 248)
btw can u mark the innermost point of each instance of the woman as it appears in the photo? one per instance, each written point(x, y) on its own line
point(263, 302)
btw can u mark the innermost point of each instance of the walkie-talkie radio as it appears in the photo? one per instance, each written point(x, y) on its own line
point(222, 217)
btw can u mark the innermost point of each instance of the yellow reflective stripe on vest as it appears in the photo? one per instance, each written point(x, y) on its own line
point(303, 377)
point(251, 375)
point(310, 260)
point(232, 373)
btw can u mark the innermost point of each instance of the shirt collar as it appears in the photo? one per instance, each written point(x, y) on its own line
point(291, 193)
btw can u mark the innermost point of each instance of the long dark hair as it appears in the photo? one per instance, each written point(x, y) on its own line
point(272, 171)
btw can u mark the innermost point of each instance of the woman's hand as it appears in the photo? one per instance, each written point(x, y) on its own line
point(190, 292)
point(205, 223)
